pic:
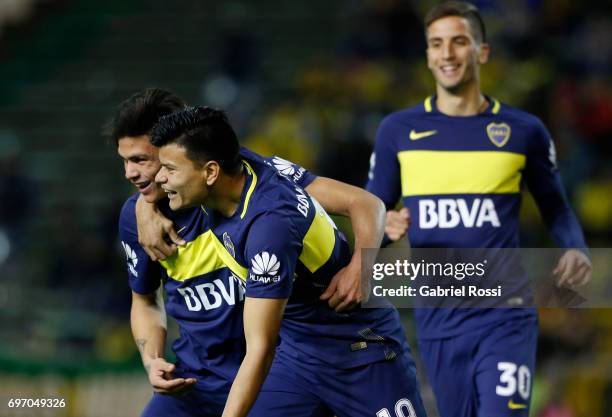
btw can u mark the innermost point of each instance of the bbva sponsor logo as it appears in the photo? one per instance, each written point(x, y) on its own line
point(447, 213)
point(303, 204)
point(211, 295)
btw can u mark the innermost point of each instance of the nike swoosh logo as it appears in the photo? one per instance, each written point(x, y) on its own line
point(420, 135)
point(516, 406)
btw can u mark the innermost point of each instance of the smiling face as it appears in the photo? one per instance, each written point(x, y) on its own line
point(453, 55)
point(186, 182)
point(141, 164)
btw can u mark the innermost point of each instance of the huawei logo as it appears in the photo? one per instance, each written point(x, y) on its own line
point(265, 264)
point(283, 166)
point(132, 258)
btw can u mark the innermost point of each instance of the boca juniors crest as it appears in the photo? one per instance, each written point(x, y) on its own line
point(229, 245)
point(499, 133)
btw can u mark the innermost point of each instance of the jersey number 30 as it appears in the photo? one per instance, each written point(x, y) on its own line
point(513, 381)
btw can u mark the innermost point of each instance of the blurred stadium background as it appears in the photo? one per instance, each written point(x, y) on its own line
point(309, 81)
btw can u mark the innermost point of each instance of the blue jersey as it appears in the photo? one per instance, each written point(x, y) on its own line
point(461, 178)
point(201, 294)
point(204, 287)
point(288, 247)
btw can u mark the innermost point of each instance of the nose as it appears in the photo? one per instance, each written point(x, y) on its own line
point(160, 177)
point(447, 51)
point(131, 173)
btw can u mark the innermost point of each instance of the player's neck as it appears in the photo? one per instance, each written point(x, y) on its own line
point(468, 102)
point(228, 194)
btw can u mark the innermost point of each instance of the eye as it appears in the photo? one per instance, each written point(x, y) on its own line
point(136, 159)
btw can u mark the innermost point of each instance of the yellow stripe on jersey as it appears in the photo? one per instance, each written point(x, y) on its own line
point(201, 256)
point(251, 188)
point(230, 261)
point(460, 172)
point(427, 104)
point(318, 242)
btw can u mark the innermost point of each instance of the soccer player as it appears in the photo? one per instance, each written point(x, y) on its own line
point(204, 297)
point(282, 243)
point(459, 160)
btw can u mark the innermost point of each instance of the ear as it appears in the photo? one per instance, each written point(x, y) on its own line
point(211, 170)
point(483, 55)
point(430, 61)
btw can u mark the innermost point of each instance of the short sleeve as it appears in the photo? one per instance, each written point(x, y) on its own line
point(297, 174)
point(144, 275)
point(272, 250)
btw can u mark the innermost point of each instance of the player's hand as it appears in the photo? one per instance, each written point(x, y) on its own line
point(397, 223)
point(160, 377)
point(156, 233)
point(345, 290)
point(573, 270)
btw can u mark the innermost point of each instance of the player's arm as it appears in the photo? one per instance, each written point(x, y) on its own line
point(156, 233)
point(272, 249)
point(544, 182)
point(147, 315)
point(367, 214)
point(262, 318)
point(148, 322)
point(384, 179)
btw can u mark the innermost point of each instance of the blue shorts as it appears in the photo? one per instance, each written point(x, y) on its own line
point(380, 389)
point(206, 399)
point(191, 404)
point(483, 373)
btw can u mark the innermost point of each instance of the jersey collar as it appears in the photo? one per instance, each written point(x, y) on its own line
point(247, 191)
point(492, 108)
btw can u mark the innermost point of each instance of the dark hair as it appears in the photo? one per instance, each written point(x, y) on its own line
point(138, 114)
point(205, 133)
point(461, 9)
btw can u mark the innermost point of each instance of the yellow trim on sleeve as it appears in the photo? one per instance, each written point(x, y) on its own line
point(319, 241)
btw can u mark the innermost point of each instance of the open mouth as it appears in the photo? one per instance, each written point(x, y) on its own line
point(450, 69)
point(143, 186)
point(170, 193)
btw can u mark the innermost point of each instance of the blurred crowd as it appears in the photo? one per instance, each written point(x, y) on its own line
point(551, 58)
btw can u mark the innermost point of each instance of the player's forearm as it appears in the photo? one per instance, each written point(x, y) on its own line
point(148, 322)
point(367, 214)
point(559, 216)
point(248, 382)
point(567, 231)
point(262, 318)
point(149, 335)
